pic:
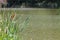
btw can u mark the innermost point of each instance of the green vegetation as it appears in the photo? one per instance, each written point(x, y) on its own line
point(30, 24)
point(11, 24)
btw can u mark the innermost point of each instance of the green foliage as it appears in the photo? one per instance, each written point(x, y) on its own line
point(9, 27)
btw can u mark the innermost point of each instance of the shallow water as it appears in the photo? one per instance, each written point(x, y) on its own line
point(43, 25)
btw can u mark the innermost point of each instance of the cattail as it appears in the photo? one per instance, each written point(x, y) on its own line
point(0, 29)
point(12, 16)
point(0, 18)
point(6, 30)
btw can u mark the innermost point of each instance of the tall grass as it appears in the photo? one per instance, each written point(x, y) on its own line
point(11, 25)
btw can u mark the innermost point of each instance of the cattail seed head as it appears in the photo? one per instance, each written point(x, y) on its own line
point(12, 16)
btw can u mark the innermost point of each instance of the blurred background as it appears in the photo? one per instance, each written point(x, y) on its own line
point(30, 24)
point(29, 3)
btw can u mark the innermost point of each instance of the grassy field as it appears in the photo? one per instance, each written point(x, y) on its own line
point(42, 24)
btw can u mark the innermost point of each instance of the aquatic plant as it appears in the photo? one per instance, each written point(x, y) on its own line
point(11, 25)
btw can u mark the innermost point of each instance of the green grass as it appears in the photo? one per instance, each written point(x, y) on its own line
point(32, 24)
